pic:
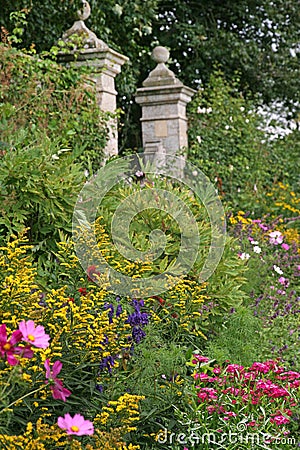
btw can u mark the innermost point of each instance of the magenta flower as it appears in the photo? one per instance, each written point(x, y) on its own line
point(234, 368)
point(285, 246)
point(201, 376)
point(257, 249)
point(279, 420)
point(200, 359)
point(260, 367)
point(59, 392)
point(290, 375)
point(8, 348)
point(76, 425)
point(284, 281)
point(34, 335)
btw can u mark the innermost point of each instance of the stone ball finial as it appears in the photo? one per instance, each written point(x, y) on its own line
point(160, 54)
point(85, 11)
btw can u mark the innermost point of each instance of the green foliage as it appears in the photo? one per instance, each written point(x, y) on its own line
point(239, 339)
point(281, 339)
point(51, 131)
point(224, 288)
point(227, 145)
point(272, 284)
point(45, 98)
point(285, 154)
point(39, 184)
point(238, 36)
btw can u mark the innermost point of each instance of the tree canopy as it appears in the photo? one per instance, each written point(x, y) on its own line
point(257, 38)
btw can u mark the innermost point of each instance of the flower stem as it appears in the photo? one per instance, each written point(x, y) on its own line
point(21, 398)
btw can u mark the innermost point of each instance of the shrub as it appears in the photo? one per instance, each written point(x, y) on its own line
point(188, 304)
point(239, 340)
point(38, 185)
point(227, 142)
point(42, 97)
point(51, 133)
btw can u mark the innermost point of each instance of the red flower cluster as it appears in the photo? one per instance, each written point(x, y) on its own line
point(261, 383)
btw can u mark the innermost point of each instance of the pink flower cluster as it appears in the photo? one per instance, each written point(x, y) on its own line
point(261, 384)
point(33, 336)
point(27, 332)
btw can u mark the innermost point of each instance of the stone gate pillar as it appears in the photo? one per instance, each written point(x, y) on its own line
point(163, 99)
point(89, 50)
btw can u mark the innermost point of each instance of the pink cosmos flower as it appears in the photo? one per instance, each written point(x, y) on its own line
point(276, 237)
point(8, 348)
point(285, 246)
point(34, 335)
point(58, 391)
point(284, 281)
point(76, 425)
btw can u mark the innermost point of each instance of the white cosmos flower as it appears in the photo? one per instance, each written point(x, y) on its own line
point(244, 256)
point(277, 269)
